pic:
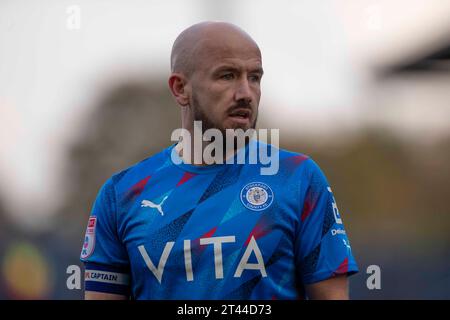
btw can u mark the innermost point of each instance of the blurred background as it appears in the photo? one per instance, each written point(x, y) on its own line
point(363, 87)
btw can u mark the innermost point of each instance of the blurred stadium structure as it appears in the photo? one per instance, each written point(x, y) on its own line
point(389, 172)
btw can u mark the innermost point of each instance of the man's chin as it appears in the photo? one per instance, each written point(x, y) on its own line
point(244, 125)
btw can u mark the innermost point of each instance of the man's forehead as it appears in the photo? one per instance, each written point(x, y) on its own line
point(206, 44)
point(226, 45)
point(227, 64)
point(213, 52)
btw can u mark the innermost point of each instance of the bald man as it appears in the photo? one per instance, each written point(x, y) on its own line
point(173, 228)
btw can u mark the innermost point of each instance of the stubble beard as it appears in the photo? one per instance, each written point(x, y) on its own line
point(200, 115)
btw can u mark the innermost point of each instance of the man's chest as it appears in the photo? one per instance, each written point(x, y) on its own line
point(208, 231)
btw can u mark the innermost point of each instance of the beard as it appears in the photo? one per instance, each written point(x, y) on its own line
point(200, 114)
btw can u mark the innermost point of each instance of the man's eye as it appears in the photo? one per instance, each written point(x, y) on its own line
point(227, 76)
point(255, 78)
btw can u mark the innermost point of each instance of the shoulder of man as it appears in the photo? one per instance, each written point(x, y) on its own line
point(141, 169)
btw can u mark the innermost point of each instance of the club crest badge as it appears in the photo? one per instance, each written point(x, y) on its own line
point(89, 239)
point(256, 196)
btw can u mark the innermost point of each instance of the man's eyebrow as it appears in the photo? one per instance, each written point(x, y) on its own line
point(223, 68)
point(258, 70)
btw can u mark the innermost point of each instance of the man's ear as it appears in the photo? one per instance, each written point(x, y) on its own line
point(178, 85)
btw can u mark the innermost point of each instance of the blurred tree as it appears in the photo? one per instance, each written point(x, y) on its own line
point(393, 195)
point(385, 184)
point(131, 122)
point(4, 223)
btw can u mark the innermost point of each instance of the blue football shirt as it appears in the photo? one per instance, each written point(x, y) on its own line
point(161, 230)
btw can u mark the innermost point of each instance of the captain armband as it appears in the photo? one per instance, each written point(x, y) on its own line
point(107, 279)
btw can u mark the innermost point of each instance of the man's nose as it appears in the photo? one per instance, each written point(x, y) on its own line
point(243, 91)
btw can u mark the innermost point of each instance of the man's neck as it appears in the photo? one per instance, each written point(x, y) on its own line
point(195, 154)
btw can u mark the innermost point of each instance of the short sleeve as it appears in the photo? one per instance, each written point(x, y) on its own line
point(104, 255)
point(322, 245)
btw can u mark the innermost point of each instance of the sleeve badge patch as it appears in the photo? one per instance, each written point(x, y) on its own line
point(89, 239)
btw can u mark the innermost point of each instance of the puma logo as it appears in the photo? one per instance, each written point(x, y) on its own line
point(148, 203)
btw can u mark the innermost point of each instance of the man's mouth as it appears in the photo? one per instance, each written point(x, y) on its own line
point(240, 115)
